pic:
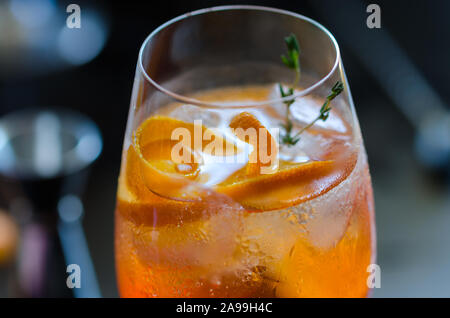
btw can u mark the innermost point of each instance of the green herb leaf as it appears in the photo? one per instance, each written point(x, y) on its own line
point(292, 43)
point(292, 58)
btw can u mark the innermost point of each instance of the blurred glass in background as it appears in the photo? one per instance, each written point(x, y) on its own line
point(44, 156)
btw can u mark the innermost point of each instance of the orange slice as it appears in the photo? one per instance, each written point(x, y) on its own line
point(250, 130)
point(158, 140)
point(141, 206)
point(292, 184)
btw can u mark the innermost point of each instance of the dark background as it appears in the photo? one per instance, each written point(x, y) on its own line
point(412, 201)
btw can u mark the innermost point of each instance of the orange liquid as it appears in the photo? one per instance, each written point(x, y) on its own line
point(307, 233)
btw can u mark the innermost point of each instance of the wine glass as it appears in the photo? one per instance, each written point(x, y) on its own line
point(200, 212)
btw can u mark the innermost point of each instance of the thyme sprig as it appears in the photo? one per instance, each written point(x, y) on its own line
point(292, 60)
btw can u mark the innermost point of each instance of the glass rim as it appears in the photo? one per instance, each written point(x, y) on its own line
point(193, 101)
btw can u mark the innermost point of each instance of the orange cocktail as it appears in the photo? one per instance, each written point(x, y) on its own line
point(303, 230)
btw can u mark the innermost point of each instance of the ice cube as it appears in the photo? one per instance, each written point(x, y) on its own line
point(305, 109)
point(189, 113)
